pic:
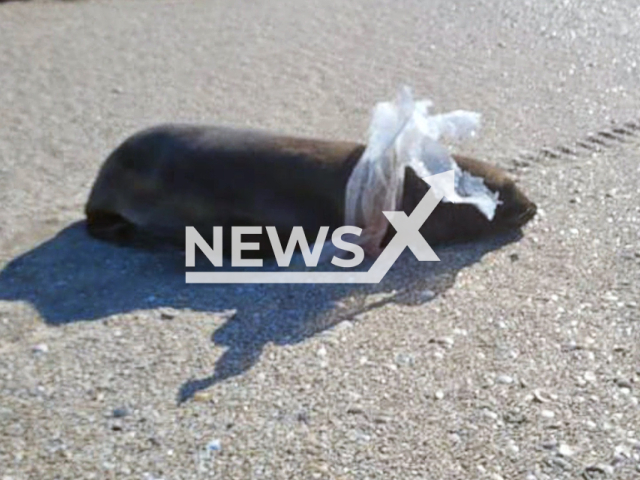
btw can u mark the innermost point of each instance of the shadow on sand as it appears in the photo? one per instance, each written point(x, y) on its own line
point(72, 277)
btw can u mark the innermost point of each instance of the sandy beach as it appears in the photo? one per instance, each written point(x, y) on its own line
point(508, 359)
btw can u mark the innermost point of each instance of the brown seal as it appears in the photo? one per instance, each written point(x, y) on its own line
point(168, 177)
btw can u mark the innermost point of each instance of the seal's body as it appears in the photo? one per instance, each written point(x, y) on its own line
point(172, 176)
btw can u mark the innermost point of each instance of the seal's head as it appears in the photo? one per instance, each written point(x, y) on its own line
point(515, 209)
point(456, 222)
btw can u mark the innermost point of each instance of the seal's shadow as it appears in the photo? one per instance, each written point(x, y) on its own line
point(72, 277)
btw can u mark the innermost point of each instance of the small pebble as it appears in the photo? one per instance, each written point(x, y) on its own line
point(489, 414)
point(539, 397)
point(149, 476)
point(622, 383)
point(513, 448)
point(635, 444)
point(344, 325)
point(504, 379)
point(600, 468)
point(446, 342)
point(40, 348)
point(168, 313)
point(214, 445)
point(322, 352)
point(487, 382)
point(120, 412)
point(404, 359)
point(565, 450)
point(439, 395)
point(563, 464)
point(547, 413)
point(590, 377)
point(203, 397)
point(427, 295)
point(621, 453)
point(514, 417)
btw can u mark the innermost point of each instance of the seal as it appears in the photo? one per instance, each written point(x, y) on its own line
point(168, 177)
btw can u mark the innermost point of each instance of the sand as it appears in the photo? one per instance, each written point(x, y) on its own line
point(510, 358)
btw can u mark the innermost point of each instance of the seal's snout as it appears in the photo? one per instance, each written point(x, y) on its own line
point(519, 218)
point(516, 209)
point(527, 215)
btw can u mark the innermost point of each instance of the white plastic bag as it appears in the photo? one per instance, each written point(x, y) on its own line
point(401, 134)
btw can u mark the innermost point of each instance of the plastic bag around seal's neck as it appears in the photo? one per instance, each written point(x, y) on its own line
point(403, 134)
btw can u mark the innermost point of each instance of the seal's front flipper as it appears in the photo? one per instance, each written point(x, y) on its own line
point(110, 227)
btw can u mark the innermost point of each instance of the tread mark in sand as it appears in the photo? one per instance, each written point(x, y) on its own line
point(589, 144)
